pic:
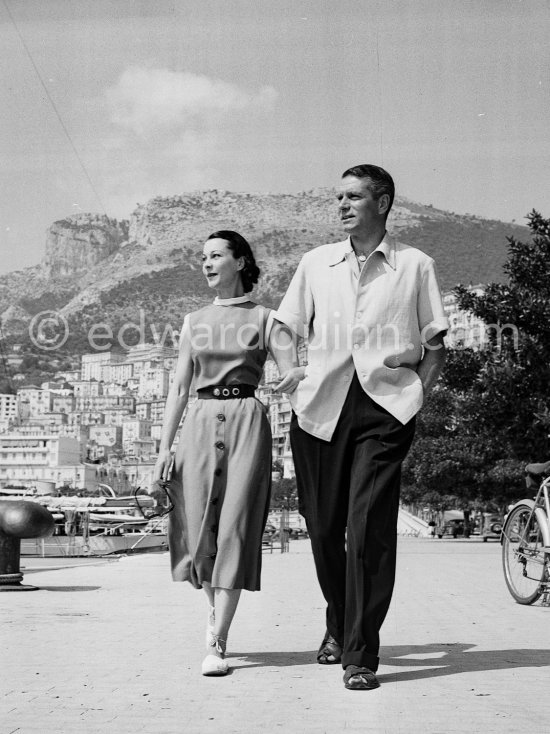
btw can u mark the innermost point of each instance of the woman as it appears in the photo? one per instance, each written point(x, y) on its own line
point(220, 478)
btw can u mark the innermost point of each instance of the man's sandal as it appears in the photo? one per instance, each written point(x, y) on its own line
point(330, 651)
point(360, 679)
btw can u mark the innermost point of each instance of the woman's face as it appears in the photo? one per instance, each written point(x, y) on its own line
point(221, 269)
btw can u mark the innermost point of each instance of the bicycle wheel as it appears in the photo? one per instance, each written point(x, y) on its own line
point(523, 557)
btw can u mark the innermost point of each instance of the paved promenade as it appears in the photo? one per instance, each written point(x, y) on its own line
point(116, 648)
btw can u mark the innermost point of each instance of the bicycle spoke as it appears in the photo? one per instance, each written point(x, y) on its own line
point(523, 557)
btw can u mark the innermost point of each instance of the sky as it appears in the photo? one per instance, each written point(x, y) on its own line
point(108, 103)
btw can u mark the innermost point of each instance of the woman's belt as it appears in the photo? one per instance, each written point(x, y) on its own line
point(226, 392)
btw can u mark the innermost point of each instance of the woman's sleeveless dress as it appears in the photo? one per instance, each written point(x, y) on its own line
point(221, 479)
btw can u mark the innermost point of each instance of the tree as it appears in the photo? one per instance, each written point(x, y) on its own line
point(491, 411)
point(452, 465)
point(284, 495)
point(508, 391)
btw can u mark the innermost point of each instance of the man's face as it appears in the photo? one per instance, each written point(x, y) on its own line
point(360, 213)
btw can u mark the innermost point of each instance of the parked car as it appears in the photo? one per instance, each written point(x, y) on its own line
point(453, 527)
point(298, 533)
point(491, 526)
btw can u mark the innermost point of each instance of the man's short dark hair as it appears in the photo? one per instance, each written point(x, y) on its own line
point(380, 180)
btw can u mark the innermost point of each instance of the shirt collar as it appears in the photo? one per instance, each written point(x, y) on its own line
point(230, 301)
point(386, 247)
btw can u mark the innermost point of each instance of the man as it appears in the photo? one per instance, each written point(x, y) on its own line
point(371, 310)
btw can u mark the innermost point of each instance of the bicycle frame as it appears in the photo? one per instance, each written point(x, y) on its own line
point(541, 508)
point(525, 543)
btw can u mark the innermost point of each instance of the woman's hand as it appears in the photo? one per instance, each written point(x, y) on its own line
point(163, 467)
point(289, 380)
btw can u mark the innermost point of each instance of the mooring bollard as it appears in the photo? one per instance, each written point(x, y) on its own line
point(19, 519)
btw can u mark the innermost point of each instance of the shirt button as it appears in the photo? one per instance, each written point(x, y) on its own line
point(220, 445)
point(221, 417)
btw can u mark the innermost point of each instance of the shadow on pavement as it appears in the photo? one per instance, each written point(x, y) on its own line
point(273, 659)
point(452, 658)
point(68, 588)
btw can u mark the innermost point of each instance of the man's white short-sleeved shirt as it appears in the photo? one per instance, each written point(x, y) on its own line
point(374, 321)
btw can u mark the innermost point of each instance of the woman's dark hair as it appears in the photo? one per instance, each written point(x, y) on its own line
point(240, 248)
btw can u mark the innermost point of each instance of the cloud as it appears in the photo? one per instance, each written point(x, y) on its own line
point(147, 99)
point(173, 131)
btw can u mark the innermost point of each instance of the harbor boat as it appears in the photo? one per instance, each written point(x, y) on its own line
point(101, 544)
point(94, 526)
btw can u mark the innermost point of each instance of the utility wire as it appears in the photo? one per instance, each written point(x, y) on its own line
point(381, 118)
point(48, 95)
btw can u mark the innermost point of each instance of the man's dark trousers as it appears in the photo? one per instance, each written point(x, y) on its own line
point(352, 481)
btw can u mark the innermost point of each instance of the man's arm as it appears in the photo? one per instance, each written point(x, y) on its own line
point(432, 362)
point(297, 308)
point(282, 345)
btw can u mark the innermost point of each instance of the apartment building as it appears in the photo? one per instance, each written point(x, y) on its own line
point(8, 410)
point(63, 403)
point(33, 400)
point(93, 363)
point(154, 383)
point(134, 429)
point(68, 430)
point(69, 376)
point(108, 436)
point(152, 410)
point(104, 402)
point(25, 459)
point(118, 373)
point(116, 416)
point(157, 410)
point(87, 388)
point(465, 329)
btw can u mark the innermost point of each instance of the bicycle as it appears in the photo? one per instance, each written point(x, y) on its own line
point(526, 541)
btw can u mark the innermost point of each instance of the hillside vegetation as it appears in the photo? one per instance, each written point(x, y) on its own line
point(154, 277)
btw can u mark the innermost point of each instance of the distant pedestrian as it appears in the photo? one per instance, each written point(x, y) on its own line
point(371, 310)
point(219, 480)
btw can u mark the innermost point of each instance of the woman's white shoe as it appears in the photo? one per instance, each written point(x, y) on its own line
point(215, 663)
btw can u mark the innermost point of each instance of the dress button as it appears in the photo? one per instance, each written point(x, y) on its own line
point(221, 417)
point(217, 472)
point(220, 445)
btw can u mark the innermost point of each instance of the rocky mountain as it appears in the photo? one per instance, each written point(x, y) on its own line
point(146, 271)
point(79, 243)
